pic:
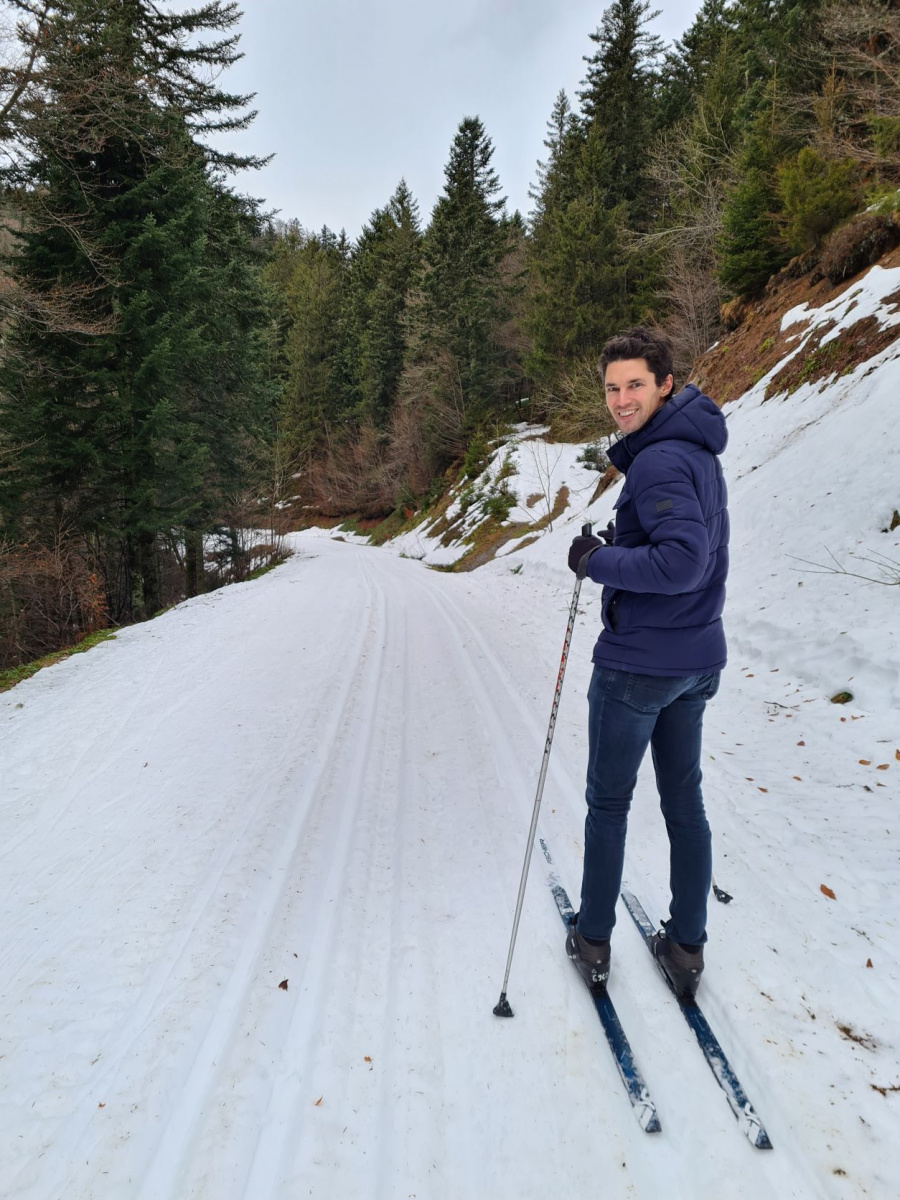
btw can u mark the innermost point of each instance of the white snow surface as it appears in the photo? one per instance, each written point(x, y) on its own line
point(324, 778)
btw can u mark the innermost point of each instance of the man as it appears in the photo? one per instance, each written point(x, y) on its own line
point(658, 658)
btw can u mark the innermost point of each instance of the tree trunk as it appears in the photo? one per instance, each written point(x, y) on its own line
point(193, 561)
point(149, 560)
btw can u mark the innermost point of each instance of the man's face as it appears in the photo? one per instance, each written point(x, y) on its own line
point(632, 393)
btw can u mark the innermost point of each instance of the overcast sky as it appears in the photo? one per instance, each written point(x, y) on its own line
point(355, 94)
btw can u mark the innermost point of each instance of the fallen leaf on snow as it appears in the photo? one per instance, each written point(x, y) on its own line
point(826, 891)
point(882, 766)
point(868, 962)
point(865, 762)
point(763, 789)
point(897, 755)
point(318, 1102)
point(801, 743)
point(797, 777)
point(102, 1104)
point(283, 985)
point(366, 1058)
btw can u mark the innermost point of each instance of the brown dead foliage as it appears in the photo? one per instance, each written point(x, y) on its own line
point(50, 597)
point(757, 344)
point(856, 245)
point(840, 355)
point(488, 538)
point(605, 482)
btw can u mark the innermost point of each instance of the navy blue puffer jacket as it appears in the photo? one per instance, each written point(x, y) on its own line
point(664, 575)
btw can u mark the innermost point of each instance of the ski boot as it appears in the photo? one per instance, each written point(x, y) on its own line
point(682, 964)
point(590, 959)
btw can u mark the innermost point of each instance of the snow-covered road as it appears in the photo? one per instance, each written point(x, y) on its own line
point(323, 780)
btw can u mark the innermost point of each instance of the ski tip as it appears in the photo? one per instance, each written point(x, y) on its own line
point(762, 1140)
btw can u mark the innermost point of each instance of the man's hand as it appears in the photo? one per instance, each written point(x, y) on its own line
point(609, 533)
point(579, 550)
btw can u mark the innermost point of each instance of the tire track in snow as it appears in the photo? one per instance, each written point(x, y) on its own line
point(170, 1162)
point(288, 1090)
point(74, 1131)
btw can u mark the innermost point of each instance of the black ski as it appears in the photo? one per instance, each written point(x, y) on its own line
point(638, 1094)
point(749, 1122)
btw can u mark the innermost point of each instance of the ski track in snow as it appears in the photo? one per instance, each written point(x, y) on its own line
point(326, 777)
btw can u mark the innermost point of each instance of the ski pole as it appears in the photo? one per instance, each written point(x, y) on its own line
point(502, 1008)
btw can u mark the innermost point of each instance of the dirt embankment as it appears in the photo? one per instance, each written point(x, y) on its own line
point(755, 344)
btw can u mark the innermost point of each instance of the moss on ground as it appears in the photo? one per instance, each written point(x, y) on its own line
point(13, 675)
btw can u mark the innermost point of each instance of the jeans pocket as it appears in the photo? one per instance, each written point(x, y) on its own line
point(651, 693)
point(709, 685)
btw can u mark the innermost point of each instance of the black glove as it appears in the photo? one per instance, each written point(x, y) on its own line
point(609, 533)
point(579, 550)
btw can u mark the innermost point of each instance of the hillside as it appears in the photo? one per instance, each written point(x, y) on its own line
point(260, 855)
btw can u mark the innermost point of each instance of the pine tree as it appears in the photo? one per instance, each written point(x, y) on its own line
point(310, 271)
point(126, 434)
point(383, 266)
point(751, 247)
point(693, 58)
point(464, 301)
point(618, 98)
point(577, 297)
point(556, 178)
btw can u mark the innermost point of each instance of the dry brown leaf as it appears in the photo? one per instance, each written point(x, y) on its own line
point(366, 1058)
point(826, 891)
point(283, 985)
point(897, 755)
point(318, 1102)
point(865, 762)
point(751, 676)
point(102, 1103)
point(801, 743)
point(763, 789)
point(868, 962)
point(882, 766)
point(797, 777)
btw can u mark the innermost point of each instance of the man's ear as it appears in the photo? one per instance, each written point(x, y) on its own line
point(670, 380)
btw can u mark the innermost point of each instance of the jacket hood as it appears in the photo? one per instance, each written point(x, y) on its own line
point(688, 417)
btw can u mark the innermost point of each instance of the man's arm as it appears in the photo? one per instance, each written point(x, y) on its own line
point(669, 512)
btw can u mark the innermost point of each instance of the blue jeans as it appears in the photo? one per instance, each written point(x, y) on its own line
point(628, 713)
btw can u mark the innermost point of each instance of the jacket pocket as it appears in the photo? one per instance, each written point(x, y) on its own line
point(609, 609)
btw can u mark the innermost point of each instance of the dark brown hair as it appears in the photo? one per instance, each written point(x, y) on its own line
point(640, 342)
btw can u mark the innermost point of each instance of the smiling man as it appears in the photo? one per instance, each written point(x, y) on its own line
point(658, 658)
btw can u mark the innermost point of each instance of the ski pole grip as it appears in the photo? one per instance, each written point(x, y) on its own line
point(587, 530)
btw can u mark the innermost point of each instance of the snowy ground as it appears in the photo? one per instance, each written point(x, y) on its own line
point(323, 779)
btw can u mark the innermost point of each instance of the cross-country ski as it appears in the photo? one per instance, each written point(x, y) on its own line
point(750, 1124)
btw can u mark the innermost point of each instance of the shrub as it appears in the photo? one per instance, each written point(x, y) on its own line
point(577, 410)
point(857, 245)
point(499, 504)
point(50, 597)
point(594, 457)
point(478, 455)
point(816, 194)
point(885, 133)
point(751, 251)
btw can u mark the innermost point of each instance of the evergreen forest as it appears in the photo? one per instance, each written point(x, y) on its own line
point(183, 377)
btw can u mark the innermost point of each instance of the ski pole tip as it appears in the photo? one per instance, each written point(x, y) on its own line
point(501, 1008)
